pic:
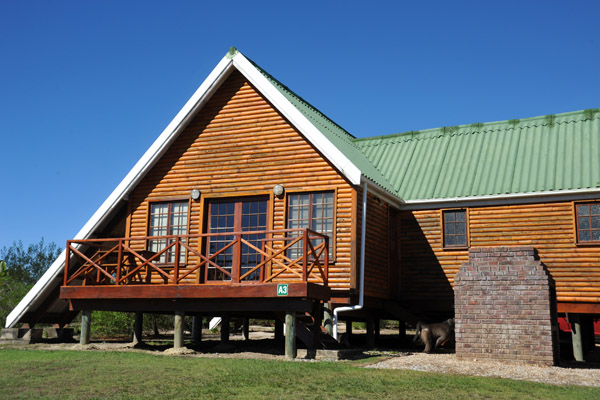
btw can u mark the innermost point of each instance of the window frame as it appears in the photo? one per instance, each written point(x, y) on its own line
point(443, 229)
point(333, 238)
point(579, 242)
point(170, 201)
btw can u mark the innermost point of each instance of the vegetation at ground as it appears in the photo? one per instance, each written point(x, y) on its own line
point(20, 269)
point(92, 374)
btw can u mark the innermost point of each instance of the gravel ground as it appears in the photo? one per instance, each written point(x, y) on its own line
point(449, 364)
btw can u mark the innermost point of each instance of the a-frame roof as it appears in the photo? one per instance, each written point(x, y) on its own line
point(328, 138)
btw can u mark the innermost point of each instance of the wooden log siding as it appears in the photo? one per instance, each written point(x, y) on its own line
point(238, 145)
point(547, 227)
point(377, 252)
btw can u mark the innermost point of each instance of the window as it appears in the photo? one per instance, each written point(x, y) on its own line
point(167, 218)
point(455, 228)
point(236, 215)
point(314, 211)
point(588, 222)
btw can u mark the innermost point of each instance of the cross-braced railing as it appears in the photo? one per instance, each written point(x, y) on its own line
point(287, 255)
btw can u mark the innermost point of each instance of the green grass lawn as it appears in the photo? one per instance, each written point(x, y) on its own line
point(31, 374)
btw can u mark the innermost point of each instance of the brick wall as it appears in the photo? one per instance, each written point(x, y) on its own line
point(505, 307)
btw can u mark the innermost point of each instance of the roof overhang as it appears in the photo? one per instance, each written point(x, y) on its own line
point(501, 199)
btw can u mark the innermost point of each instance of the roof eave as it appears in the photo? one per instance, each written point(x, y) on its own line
point(551, 195)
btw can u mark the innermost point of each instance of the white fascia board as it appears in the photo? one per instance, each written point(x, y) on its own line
point(297, 119)
point(512, 198)
point(383, 194)
point(50, 278)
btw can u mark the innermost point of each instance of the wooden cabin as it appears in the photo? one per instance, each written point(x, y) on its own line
point(254, 203)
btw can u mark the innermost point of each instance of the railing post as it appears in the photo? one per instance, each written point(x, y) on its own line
point(176, 266)
point(67, 262)
point(119, 262)
point(326, 261)
point(237, 252)
point(304, 255)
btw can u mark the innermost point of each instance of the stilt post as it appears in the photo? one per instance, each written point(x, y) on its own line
point(197, 328)
point(328, 318)
point(137, 327)
point(370, 333)
point(225, 328)
point(86, 321)
point(402, 331)
point(246, 329)
point(576, 336)
point(178, 329)
point(290, 335)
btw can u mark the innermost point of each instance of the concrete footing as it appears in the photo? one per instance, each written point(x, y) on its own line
point(21, 335)
point(26, 336)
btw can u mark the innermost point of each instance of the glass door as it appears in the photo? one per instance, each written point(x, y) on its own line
point(236, 215)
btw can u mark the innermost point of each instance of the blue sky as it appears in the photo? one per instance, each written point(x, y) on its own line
point(86, 87)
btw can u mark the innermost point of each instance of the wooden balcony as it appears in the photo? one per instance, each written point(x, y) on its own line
point(290, 263)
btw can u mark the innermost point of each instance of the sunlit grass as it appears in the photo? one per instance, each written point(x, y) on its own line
point(93, 374)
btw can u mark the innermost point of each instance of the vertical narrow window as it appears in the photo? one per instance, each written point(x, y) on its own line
point(167, 218)
point(588, 223)
point(314, 211)
point(455, 228)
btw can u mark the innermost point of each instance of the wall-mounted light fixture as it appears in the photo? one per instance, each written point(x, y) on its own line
point(278, 190)
point(195, 194)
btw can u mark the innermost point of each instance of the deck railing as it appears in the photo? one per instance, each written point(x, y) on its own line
point(287, 255)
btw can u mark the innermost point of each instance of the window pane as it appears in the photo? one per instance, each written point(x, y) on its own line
point(585, 236)
point(584, 222)
point(583, 209)
point(449, 216)
point(461, 228)
point(596, 235)
point(314, 211)
point(596, 222)
point(449, 229)
point(461, 240)
point(450, 240)
point(595, 209)
point(460, 216)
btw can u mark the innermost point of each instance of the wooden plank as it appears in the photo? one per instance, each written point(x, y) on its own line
point(207, 291)
point(549, 227)
point(239, 145)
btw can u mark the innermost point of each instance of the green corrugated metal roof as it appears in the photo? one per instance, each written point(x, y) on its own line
point(343, 140)
point(548, 153)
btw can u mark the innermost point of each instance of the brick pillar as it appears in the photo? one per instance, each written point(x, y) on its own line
point(505, 307)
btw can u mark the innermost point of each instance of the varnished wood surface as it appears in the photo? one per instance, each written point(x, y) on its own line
point(428, 270)
point(238, 145)
point(233, 290)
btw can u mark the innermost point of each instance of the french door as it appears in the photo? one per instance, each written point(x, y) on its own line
point(236, 215)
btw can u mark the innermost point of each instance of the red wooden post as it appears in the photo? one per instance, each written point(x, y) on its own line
point(326, 261)
point(119, 262)
point(67, 262)
point(304, 255)
point(237, 259)
point(176, 267)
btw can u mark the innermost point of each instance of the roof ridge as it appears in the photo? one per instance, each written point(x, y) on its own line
point(548, 120)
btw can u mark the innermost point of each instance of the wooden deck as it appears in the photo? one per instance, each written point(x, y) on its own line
point(288, 264)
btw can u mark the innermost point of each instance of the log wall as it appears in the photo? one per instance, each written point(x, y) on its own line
point(428, 270)
point(239, 145)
